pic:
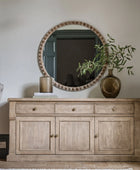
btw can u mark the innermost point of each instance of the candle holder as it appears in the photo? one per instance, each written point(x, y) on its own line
point(46, 84)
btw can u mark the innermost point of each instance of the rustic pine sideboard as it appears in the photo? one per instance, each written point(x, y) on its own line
point(74, 129)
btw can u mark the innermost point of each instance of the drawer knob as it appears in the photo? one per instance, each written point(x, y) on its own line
point(56, 136)
point(73, 109)
point(34, 109)
point(114, 108)
point(95, 136)
point(51, 136)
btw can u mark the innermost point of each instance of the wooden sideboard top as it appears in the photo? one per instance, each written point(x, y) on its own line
point(74, 99)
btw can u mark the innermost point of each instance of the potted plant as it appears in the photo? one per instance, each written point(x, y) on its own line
point(116, 57)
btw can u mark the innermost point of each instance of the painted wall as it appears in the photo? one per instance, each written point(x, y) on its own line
point(24, 22)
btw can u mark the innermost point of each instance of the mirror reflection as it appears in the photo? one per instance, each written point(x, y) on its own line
point(64, 49)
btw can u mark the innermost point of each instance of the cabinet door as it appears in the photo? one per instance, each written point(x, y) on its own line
point(113, 135)
point(33, 135)
point(75, 135)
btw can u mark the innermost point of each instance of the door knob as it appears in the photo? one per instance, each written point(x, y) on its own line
point(95, 136)
point(34, 109)
point(114, 108)
point(55, 136)
point(73, 109)
point(51, 136)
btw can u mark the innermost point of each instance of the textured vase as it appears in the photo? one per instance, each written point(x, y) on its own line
point(110, 85)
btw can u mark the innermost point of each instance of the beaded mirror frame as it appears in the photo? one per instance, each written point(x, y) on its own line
point(40, 55)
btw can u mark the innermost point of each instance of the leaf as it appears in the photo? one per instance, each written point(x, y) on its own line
point(132, 73)
point(129, 67)
point(110, 37)
point(128, 58)
point(120, 69)
point(111, 54)
point(133, 49)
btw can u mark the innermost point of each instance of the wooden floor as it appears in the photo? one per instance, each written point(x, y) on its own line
point(70, 165)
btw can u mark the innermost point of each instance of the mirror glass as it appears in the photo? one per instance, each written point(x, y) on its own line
point(64, 49)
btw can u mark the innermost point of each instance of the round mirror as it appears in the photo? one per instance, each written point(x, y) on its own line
point(62, 49)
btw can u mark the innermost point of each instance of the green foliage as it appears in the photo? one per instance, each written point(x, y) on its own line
point(115, 56)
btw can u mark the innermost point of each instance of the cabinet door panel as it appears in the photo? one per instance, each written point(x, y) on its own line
point(114, 135)
point(33, 135)
point(75, 135)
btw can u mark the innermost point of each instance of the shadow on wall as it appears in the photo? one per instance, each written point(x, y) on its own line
point(29, 89)
point(130, 90)
point(96, 92)
point(4, 118)
point(1, 89)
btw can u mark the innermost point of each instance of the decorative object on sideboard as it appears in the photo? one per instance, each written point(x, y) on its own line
point(1, 89)
point(116, 57)
point(46, 84)
point(110, 85)
point(46, 88)
point(45, 95)
point(60, 50)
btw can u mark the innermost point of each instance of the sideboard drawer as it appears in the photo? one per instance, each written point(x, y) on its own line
point(74, 108)
point(123, 108)
point(34, 107)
